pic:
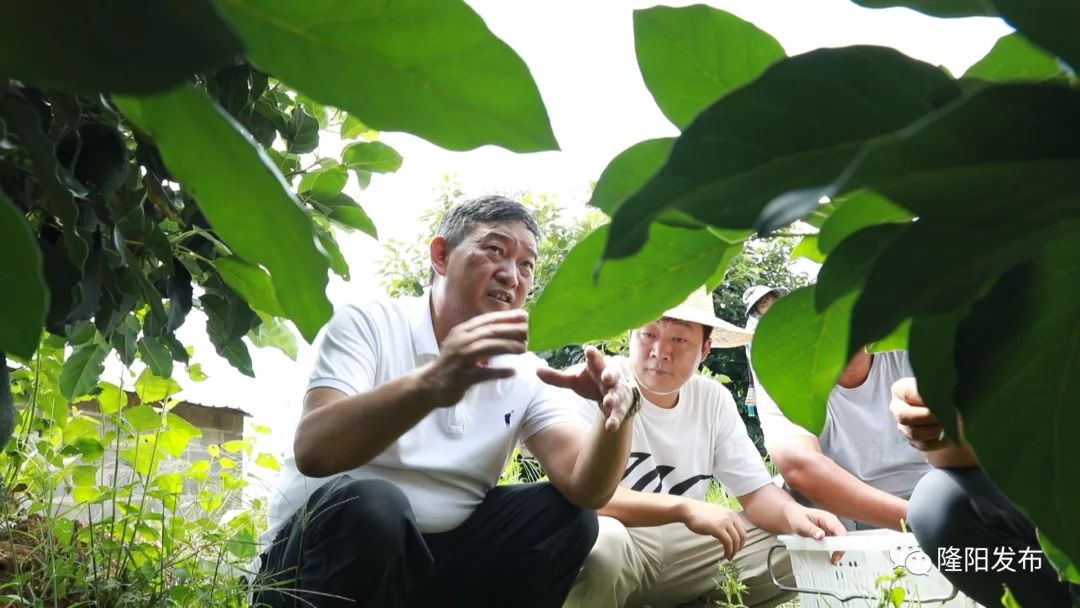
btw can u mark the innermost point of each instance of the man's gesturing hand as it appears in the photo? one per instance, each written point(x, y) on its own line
point(716, 521)
point(464, 354)
point(608, 385)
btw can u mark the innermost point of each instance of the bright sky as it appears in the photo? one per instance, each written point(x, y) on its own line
point(582, 57)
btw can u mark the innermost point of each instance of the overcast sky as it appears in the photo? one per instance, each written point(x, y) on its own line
point(582, 57)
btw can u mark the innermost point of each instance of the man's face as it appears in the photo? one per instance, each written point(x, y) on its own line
point(765, 303)
point(491, 269)
point(666, 353)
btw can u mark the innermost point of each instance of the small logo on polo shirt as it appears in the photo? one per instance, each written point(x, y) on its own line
point(506, 418)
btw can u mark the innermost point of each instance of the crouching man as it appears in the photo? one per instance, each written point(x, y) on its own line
point(410, 415)
point(660, 543)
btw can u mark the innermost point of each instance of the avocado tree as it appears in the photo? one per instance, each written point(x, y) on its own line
point(948, 217)
point(156, 157)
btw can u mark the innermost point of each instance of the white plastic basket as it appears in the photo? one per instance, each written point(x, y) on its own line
point(868, 555)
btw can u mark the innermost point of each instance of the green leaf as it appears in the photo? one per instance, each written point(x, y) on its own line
point(1067, 568)
point(170, 483)
point(302, 131)
point(195, 372)
point(1014, 58)
point(352, 127)
point(151, 388)
point(273, 332)
point(371, 156)
point(575, 308)
point(127, 46)
point(227, 321)
point(251, 282)
point(931, 269)
point(85, 494)
point(143, 418)
point(111, 399)
point(692, 55)
point(847, 266)
point(1050, 24)
point(967, 164)
point(429, 67)
point(629, 171)
point(82, 370)
point(931, 350)
point(324, 182)
point(156, 354)
point(84, 475)
point(855, 212)
point(342, 209)
point(897, 340)
point(174, 440)
point(332, 251)
point(808, 248)
point(768, 149)
point(249, 205)
point(938, 8)
point(22, 317)
point(1021, 345)
point(267, 461)
point(798, 353)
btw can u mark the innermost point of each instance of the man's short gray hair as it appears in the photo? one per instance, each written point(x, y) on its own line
point(461, 219)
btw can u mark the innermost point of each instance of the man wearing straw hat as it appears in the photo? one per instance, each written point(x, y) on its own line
point(660, 542)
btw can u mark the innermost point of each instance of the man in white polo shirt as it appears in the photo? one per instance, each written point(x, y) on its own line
point(411, 413)
point(660, 543)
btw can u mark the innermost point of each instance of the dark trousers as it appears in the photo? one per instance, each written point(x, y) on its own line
point(356, 543)
point(963, 509)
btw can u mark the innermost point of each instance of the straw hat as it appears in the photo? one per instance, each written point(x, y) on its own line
point(698, 308)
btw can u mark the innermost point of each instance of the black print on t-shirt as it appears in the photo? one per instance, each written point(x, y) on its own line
point(658, 474)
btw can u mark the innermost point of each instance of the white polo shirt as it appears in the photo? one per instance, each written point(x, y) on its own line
point(448, 462)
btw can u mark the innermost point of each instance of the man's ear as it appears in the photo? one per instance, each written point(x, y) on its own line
point(705, 348)
point(440, 253)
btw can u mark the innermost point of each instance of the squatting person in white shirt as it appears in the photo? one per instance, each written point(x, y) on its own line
point(660, 543)
point(410, 415)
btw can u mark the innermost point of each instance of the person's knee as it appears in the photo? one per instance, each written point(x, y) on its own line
point(609, 555)
point(373, 509)
point(937, 510)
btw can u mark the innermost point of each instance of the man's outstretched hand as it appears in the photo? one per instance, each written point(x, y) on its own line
point(598, 379)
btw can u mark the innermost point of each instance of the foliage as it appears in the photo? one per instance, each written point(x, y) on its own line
point(101, 508)
point(172, 167)
point(981, 289)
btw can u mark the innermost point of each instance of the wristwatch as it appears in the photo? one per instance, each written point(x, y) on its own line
point(635, 403)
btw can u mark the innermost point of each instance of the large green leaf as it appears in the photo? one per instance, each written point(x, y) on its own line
point(1067, 569)
point(855, 212)
point(273, 332)
point(22, 312)
point(429, 67)
point(1014, 58)
point(689, 56)
point(249, 205)
point(798, 353)
point(1018, 369)
point(938, 8)
point(1050, 24)
point(850, 262)
point(931, 269)
point(121, 46)
point(82, 370)
point(628, 171)
point(573, 308)
point(793, 129)
point(1005, 149)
